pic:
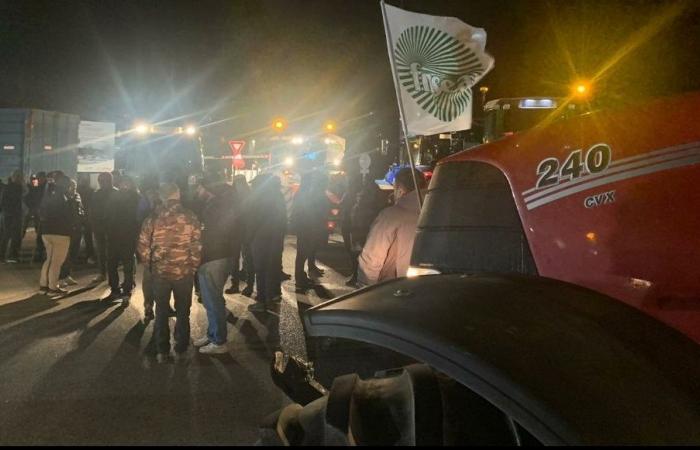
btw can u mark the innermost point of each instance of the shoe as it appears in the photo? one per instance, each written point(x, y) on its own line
point(58, 291)
point(232, 290)
point(11, 261)
point(113, 295)
point(172, 312)
point(91, 261)
point(201, 342)
point(162, 358)
point(70, 281)
point(285, 276)
point(316, 272)
point(99, 279)
point(213, 349)
point(248, 291)
point(148, 315)
point(304, 284)
point(43, 289)
point(257, 307)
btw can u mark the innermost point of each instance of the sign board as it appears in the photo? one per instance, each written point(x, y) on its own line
point(96, 146)
point(236, 149)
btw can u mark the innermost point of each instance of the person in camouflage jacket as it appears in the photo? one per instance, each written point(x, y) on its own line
point(170, 248)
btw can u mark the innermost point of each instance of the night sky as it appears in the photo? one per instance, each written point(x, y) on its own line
point(157, 59)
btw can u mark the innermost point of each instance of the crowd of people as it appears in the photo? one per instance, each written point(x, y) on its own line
point(197, 237)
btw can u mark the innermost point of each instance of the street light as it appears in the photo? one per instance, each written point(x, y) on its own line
point(298, 140)
point(279, 125)
point(330, 126)
point(483, 90)
point(190, 130)
point(581, 89)
point(289, 161)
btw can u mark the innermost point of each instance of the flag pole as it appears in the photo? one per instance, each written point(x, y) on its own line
point(389, 46)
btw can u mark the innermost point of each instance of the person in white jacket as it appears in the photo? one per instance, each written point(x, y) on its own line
point(387, 252)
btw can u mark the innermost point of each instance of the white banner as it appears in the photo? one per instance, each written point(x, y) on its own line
point(96, 148)
point(435, 61)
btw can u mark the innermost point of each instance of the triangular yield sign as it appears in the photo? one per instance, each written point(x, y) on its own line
point(236, 146)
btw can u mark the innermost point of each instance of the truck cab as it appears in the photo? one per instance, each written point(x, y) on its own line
point(606, 200)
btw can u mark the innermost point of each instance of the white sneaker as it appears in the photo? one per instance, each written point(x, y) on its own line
point(63, 283)
point(211, 349)
point(201, 342)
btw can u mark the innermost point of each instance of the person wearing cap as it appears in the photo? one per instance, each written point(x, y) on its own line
point(387, 251)
point(169, 246)
point(221, 241)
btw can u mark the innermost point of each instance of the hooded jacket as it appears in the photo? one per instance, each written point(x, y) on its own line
point(387, 252)
point(221, 238)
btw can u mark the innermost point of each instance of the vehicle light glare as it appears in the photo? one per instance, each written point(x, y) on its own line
point(420, 271)
point(142, 128)
point(190, 130)
point(297, 140)
point(289, 161)
point(337, 162)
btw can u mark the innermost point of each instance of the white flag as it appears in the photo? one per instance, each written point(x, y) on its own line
point(435, 61)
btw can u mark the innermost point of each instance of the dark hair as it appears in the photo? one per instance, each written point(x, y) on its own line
point(105, 180)
point(405, 179)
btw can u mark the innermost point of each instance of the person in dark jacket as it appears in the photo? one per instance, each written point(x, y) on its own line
point(11, 206)
point(122, 228)
point(98, 221)
point(368, 204)
point(309, 216)
point(220, 243)
point(35, 192)
point(242, 193)
point(77, 218)
point(268, 224)
point(86, 192)
point(57, 224)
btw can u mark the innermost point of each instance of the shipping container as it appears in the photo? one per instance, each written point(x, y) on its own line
point(33, 140)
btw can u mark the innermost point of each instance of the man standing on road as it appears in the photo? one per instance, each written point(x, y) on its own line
point(266, 235)
point(221, 241)
point(122, 233)
point(11, 207)
point(170, 248)
point(97, 215)
point(86, 192)
point(387, 252)
point(32, 199)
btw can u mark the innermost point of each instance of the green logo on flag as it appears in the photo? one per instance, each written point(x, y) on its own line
point(437, 70)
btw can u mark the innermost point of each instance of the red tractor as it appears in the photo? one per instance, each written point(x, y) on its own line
point(561, 302)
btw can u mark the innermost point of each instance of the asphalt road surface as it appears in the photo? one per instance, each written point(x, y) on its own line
point(77, 370)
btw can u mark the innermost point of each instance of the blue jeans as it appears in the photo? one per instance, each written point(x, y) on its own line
point(212, 278)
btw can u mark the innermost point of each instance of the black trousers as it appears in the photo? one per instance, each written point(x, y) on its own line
point(267, 258)
point(182, 291)
point(101, 247)
point(11, 235)
point(246, 254)
point(305, 248)
point(121, 251)
point(72, 257)
point(86, 230)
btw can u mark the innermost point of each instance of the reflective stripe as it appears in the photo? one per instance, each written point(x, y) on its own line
point(688, 161)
